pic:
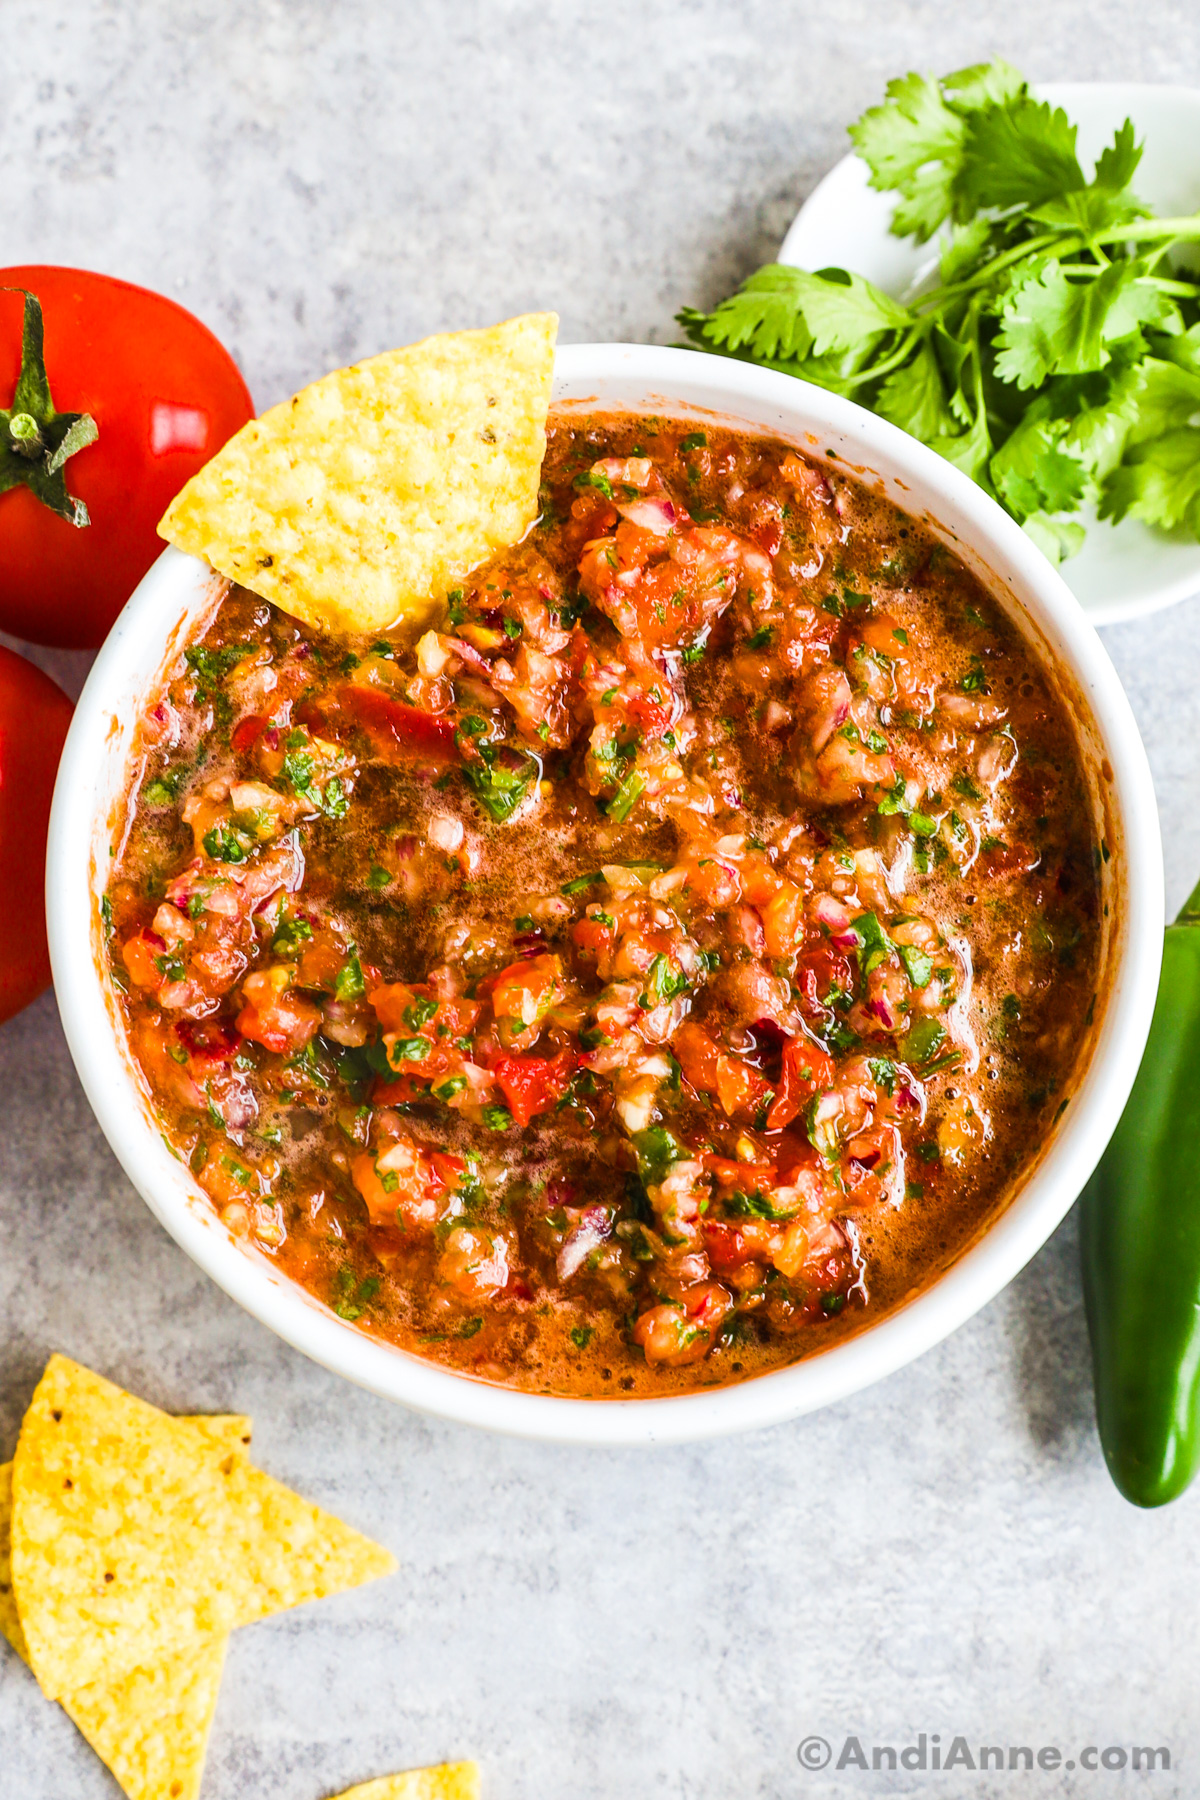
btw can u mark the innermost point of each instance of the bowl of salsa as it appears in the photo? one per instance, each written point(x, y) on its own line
point(666, 995)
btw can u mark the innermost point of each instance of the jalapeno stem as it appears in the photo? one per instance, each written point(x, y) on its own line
point(1189, 912)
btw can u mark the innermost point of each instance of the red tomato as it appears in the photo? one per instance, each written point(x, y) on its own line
point(34, 715)
point(532, 1084)
point(739, 1088)
point(165, 396)
point(394, 725)
point(807, 1069)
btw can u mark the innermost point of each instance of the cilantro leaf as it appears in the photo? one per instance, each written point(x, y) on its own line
point(785, 313)
point(1017, 152)
point(764, 315)
point(1032, 472)
point(1058, 363)
point(1117, 165)
point(965, 246)
point(1053, 326)
point(1098, 414)
point(350, 984)
point(1185, 350)
point(1159, 482)
point(983, 84)
point(914, 397)
point(913, 143)
point(1165, 398)
point(1088, 209)
point(1057, 539)
point(842, 309)
point(967, 450)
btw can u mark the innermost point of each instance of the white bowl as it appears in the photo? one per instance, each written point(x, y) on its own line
point(1123, 570)
point(91, 780)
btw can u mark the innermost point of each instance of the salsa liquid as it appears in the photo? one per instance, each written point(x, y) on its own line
point(657, 972)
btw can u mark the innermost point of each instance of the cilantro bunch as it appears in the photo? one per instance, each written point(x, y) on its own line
point(1056, 361)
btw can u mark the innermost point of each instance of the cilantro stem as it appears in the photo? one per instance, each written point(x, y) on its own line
point(1187, 227)
point(936, 298)
point(1186, 290)
point(1064, 245)
point(907, 345)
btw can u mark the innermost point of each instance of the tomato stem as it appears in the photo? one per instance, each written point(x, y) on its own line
point(28, 440)
point(35, 440)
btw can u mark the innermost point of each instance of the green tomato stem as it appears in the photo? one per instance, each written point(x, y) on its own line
point(26, 436)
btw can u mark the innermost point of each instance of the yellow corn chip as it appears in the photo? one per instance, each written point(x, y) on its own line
point(449, 1781)
point(151, 1728)
point(373, 492)
point(225, 1431)
point(10, 1623)
point(131, 1542)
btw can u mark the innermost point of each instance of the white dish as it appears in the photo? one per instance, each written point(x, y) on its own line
point(1125, 570)
point(92, 778)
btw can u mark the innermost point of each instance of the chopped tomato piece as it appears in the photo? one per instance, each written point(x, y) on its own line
point(394, 726)
point(783, 920)
point(522, 995)
point(591, 937)
point(400, 1092)
point(760, 882)
point(651, 715)
point(246, 733)
point(208, 1040)
point(730, 1173)
point(401, 1183)
point(415, 1009)
point(140, 955)
point(807, 1070)
point(322, 958)
point(821, 973)
point(273, 1015)
point(450, 1169)
point(1004, 860)
point(682, 1331)
point(730, 1247)
point(424, 1038)
point(738, 1087)
point(533, 1084)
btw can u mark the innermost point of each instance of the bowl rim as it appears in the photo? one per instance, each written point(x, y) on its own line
point(685, 380)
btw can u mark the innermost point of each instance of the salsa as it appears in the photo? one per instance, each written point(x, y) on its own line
point(657, 972)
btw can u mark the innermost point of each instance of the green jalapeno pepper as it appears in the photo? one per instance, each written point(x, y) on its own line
point(1140, 1239)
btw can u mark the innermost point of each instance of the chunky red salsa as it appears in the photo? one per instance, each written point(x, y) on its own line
point(655, 973)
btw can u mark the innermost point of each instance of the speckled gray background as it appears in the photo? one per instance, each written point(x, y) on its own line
point(942, 1554)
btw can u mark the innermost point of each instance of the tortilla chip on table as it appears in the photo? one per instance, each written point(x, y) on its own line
point(448, 1781)
point(131, 1542)
point(151, 1727)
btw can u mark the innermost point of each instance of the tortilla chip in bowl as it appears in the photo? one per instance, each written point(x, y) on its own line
point(370, 494)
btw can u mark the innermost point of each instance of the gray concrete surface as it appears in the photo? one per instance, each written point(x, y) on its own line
point(943, 1554)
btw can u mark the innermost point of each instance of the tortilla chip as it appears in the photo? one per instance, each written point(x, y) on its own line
point(226, 1431)
point(151, 1728)
point(10, 1623)
point(132, 1543)
point(449, 1781)
point(373, 492)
